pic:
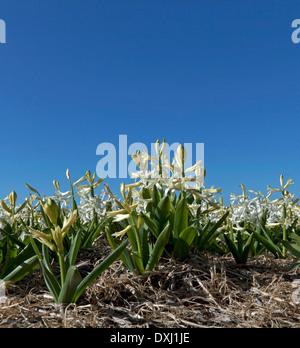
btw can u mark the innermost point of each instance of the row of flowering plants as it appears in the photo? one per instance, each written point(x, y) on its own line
point(167, 212)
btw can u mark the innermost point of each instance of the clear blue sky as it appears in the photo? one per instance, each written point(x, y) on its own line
point(74, 74)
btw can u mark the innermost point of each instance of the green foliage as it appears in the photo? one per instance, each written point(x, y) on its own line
point(73, 285)
point(167, 220)
point(293, 246)
point(207, 237)
point(17, 255)
point(239, 247)
point(166, 229)
point(263, 237)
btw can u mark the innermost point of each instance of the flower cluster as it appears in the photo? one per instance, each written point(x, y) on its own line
point(171, 177)
point(246, 210)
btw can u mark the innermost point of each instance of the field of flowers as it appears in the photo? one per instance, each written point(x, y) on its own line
point(165, 217)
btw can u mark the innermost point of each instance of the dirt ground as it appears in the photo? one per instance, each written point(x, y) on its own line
point(205, 291)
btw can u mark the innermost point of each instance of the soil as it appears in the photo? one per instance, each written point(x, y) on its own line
point(205, 291)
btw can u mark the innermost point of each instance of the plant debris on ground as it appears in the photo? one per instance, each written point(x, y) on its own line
point(205, 291)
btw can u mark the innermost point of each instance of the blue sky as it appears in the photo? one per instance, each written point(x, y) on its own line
point(74, 74)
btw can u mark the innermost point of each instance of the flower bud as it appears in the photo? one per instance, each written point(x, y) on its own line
point(281, 180)
point(242, 186)
point(5, 207)
point(12, 198)
point(42, 237)
point(68, 174)
point(180, 156)
point(163, 147)
point(157, 147)
point(51, 209)
point(58, 239)
point(69, 222)
point(123, 232)
point(272, 189)
point(121, 217)
point(21, 207)
point(136, 184)
point(213, 190)
point(123, 190)
point(98, 183)
point(89, 177)
point(116, 212)
point(56, 185)
point(32, 189)
point(79, 181)
point(289, 182)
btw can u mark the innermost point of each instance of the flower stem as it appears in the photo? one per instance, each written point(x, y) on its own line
point(137, 236)
point(284, 230)
point(62, 268)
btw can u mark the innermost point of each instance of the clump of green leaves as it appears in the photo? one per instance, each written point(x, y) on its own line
point(71, 285)
point(16, 253)
point(167, 228)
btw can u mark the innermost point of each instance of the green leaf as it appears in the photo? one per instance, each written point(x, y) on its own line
point(183, 245)
point(45, 217)
point(51, 282)
point(181, 219)
point(203, 235)
point(158, 249)
point(36, 249)
point(162, 211)
point(296, 264)
point(132, 237)
point(125, 257)
point(151, 224)
point(73, 252)
point(87, 230)
point(146, 194)
point(22, 270)
point(293, 248)
point(240, 242)
point(22, 256)
point(263, 232)
point(234, 250)
point(72, 280)
point(262, 223)
point(99, 269)
point(14, 239)
point(267, 242)
point(257, 246)
point(215, 247)
point(241, 249)
point(92, 234)
point(246, 249)
point(209, 234)
point(155, 197)
point(220, 222)
point(190, 199)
